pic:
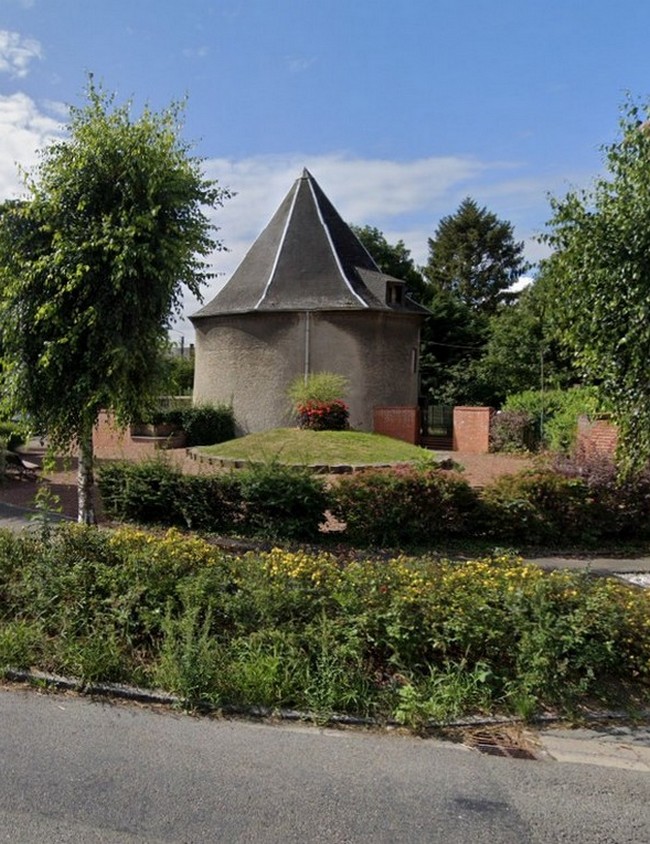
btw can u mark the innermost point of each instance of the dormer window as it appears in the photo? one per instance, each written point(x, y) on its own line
point(394, 293)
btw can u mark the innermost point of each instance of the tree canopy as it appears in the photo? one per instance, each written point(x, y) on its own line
point(601, 272)
point(93, 264)
point(474, 256)
point(393, 259)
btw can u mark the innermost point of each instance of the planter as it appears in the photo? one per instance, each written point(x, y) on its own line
point(163, 435)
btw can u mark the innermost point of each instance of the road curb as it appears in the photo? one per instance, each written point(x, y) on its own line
point(155, 696)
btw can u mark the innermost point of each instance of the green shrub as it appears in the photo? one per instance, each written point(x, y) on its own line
point(12, 433)
point(146, 492)
point(206, 424)
point(621, 503)
point(211, 503)
point(270, 500)
point(538, 506)
point(512, 431)
point(281, 500)
point(555, 413)
point(408, 506)
point(203, 424)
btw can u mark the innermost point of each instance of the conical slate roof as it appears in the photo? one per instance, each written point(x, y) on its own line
point(306, 259)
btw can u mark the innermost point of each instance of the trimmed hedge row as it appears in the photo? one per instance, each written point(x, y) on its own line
point(271, 500)
point(400, 507)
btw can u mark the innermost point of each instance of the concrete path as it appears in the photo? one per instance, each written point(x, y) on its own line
point(600, 565)
point(610, 746)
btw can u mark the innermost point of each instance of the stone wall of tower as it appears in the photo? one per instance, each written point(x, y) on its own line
point(249, 361)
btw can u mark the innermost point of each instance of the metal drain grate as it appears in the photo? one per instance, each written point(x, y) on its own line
point(499, 744)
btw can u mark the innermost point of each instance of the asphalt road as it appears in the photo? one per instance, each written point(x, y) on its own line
point(73, 770)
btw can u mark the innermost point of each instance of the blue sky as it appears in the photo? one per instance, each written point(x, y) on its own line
point(399, 109)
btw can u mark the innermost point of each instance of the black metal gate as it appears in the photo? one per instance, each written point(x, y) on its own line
point(438, 427)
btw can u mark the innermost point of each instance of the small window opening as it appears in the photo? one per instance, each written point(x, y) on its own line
point(394, 294)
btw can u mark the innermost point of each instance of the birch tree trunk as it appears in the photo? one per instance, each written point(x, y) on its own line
point(86, 479)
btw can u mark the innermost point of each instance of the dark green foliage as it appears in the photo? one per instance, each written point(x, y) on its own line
point(206, 424)
point(144, 492)
point(474, 256)
point(154, 492)
point(601, 278)
point(513, 431)
point(269, 500)
point(473, 261)
point(403, 507)
point(208, 503)
point(453, 340)
point(620, 501)
point(281, 500)
point(539, 506)
point(12, 434)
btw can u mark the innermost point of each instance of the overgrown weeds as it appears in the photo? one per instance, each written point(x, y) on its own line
point(407, 638)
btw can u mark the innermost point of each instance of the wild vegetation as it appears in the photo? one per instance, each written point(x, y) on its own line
point(406, 638)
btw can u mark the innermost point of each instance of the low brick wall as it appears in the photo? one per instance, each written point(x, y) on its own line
point(401, 423)
point(472, 429)
point(110, 443)
point(599, 436)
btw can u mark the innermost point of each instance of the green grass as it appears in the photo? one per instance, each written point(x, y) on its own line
point(304, 447)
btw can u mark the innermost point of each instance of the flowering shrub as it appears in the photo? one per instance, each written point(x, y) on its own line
point(409, 638)
point(323, 415)
point(317, 401)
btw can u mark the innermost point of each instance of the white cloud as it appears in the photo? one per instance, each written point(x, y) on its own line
point(24, 129)
point(196, 52)
point(17, 52)
point(299, 64)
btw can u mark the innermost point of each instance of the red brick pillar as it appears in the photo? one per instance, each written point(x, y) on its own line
point(472, 429)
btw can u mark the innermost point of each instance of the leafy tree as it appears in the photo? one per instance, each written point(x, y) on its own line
point(473, 262)
point(523, 351)
point(474, 255)
point(601, 272)
point(394, 260)
point(453, 339)
point(93, 265)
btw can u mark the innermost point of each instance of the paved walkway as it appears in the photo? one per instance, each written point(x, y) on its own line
point(19, 518)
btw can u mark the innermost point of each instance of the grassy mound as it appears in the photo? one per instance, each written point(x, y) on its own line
point(298, 446)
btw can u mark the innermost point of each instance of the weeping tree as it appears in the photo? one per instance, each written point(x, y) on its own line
point(93, 263)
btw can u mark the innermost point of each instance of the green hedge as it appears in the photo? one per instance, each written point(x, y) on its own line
point(408, 506)
point(391, 508)
point(268, 500)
